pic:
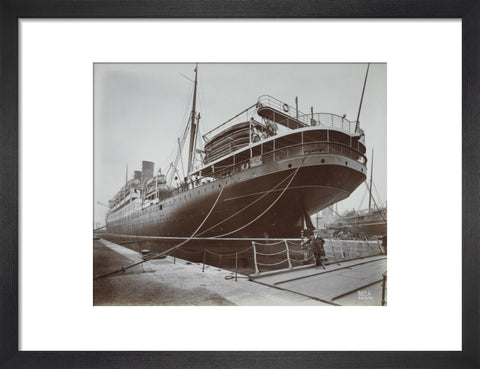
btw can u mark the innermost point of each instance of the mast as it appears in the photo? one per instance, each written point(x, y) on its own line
point(361, 99)
point(296, 106)
point(197, 124)
point(370, 189)
point(193, 126)
point(126, 181)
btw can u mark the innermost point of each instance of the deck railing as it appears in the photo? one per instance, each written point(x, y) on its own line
point(241, 117)
point(330, 120)
point(317, 119)
point(271, 102)
point(292, 151)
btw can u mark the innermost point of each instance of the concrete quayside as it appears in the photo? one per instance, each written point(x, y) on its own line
point(176, 281)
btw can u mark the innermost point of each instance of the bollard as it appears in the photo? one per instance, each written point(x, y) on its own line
point(204, 256)
point(384, 285)
point(236, 265)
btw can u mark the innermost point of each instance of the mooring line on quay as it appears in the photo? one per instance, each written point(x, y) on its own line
point(218, 238)
point(270, 206)
point(166, 252)
point(247, 206)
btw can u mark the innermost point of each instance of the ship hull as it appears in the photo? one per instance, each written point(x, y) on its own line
point(373, 224)
point(270, 200)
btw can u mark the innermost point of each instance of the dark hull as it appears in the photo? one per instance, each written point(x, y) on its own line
point(278, 213)
point(371, 227)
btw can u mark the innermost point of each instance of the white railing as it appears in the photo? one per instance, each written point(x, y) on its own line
point(317, 119)
point(241, 117)
point(330, 120)
point(267, 100)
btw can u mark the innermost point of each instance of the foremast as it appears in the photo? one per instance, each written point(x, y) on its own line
point(193, 126)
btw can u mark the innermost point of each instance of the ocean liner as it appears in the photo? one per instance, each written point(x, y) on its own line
point(261, 174)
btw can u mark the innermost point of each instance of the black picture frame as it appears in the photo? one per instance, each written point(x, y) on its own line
point(12, 11)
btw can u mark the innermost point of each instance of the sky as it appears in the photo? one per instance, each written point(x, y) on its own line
point(141, 109)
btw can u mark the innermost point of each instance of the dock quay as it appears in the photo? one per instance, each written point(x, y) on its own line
point(351, 282)
point(175, 281)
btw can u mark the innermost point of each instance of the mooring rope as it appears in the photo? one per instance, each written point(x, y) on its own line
point(189, 252)
point(228, 255)
point(268, 244)
point(147, 238)
point(297, 251)
point(270, 206)
point(166, 252)
point(280, 262)
point(274, 253)
point(247, 206)
point(170, 250)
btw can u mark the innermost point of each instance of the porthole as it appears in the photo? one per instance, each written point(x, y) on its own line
point(346, 163)
point(289, 165)
point(323, 160)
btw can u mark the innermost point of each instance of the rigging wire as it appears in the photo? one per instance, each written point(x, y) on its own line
point(363, 198)
point(181, 131)
point(375, 203)
point(376, 191)
point(203, 106)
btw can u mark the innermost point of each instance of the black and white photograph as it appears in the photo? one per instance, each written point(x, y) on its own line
point(179, 193)
point(240, 184)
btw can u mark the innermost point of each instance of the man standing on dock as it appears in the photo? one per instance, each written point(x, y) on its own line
point(384, 244)
point(318, 250)
point(316, 243)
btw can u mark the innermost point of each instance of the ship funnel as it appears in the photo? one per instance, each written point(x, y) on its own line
point(147, 170)
point(137, 175)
